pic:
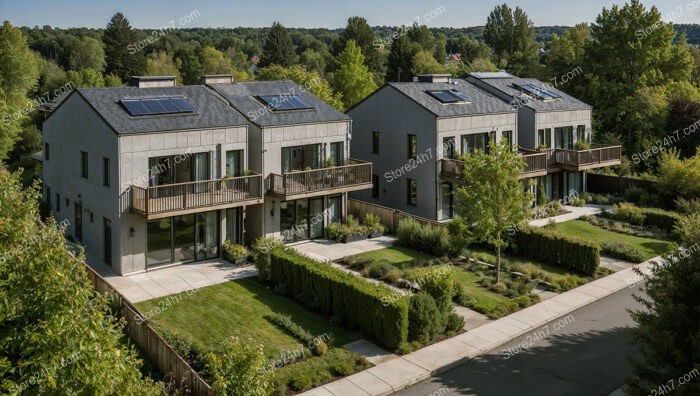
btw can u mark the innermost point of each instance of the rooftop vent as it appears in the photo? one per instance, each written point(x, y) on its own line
point(216, 79)
point(433, 78)
point(152, 81)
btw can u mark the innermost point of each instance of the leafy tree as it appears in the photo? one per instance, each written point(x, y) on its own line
point(440, 48)
point(353, 80)
point(85, 78)
point(492, 198)
point(112, 80)
point(215, 62)
point(471, 49)
point(401, 59)
point(87, 53)
point(240, 370)
point(359, 30)
point(161, 64)
point(482, 64)
point(677, 177)
point(19, 74)
point(189, 66)
point(567, 52)
point(311, 81)
point(421, 36)
point(54, 327)
point(668, 327)
point(425, 63)
point(122, 57)
point(278, 49)
point(51, 77)
point(683, 114)
point(510, 33)
point(313, 60)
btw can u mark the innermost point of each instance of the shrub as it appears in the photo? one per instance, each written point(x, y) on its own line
point(434, 240)
point(455, 322)
point(423, 318)
point(239, 369)
point(523, 301)
point(235, 251)
point(393, 276)
point(552, 247)
point(633, 194)
point(358, 262)
point(578, 202)
point(623, 252)
point(687, 206)
point(541, 195)
point(648, 217)
point(336, 231)
point(373, 223)
point(351, 227)
point(375, 310)
point(262, 249)
point(439, 283)
point(566, 283)
point(499, 288)
point(378, 269)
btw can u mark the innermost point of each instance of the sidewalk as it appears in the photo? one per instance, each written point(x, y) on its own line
point(392, 376)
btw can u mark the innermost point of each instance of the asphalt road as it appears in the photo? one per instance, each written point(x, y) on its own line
point(586, 355)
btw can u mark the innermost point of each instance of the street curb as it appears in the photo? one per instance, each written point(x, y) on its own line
point(611, 284)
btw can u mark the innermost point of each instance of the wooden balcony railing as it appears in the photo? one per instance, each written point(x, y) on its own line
point(597, 157)
point(200, 196)
point(535, 165)
point(357, 175)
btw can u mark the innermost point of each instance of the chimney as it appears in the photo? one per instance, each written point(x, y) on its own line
point(216, 79)
point(434, 78)
point(152, 81)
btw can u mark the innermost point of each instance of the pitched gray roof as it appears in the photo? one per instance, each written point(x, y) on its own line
point(242, 96)
point(210, 111)
point(481, 102)
point(507, 84)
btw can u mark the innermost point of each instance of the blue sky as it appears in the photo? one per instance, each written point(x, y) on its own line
point(311, 13)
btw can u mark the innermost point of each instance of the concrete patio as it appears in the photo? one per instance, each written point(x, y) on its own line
point(325, 250)
point(574, 213)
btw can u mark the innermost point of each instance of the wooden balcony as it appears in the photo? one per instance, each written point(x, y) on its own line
point(356, 175)
point(598, 156)
point(535, 165)
point(194, 197)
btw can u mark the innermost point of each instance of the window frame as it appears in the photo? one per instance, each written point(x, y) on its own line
point(375, 142)
point(412, 142)
point(84, 163)
point(411, 192)
point(106, 172)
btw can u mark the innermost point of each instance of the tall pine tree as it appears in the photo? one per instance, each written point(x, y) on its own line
point(278, 49)
point(121, 53)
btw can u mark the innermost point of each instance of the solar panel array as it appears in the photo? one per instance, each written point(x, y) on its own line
point(451, 96)
point(151, 106)
point(285, 102)
point(541, 93)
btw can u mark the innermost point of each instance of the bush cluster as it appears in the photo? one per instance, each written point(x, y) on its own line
point(552, 247)
point(623, 252)
point(433, 240)
point(350, 300)
point(648, 217)
point(351, 227)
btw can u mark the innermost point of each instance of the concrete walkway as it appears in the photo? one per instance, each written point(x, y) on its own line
point(575, 213)
point(325, 250)
point(396, 374)
point(176, 279)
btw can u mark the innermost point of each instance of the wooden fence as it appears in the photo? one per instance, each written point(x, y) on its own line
point(608, 184)
point(158, 351)
point(389, 217)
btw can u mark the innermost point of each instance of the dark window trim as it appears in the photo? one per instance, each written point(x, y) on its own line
point(106, 171)
point(409, 192)
point(375, 142)
point(84, 161)
point(412, 155)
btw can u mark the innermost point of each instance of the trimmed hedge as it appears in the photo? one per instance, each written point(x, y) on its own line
point(378, 312)
point(648, 217)
point(551, 247)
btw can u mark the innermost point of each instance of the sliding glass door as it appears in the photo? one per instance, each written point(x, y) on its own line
point(185, 238)
point(299, 158)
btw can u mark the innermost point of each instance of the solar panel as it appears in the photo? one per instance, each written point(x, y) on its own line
point(452, 96)
point(541, 93)
point(151, 106)
point(135, 107)
point(285, 102)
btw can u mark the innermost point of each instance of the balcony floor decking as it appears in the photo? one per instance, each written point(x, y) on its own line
point(200, 202)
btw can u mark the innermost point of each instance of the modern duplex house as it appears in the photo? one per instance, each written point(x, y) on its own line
point(551, 121)
point(301, 145)
point(155, 174)
point(413, 131)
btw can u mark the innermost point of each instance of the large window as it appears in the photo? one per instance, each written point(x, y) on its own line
point(581, 134)
point(234, 163)
point(411, 192)
point(412, 146)
point(375, 142)
point(337, 153)
point(105, 172)
point(544, 138)
point(508, 136)
point(179, 169)
point(446, 201)
point(448, 147)
point(234, 225)
point(299, 158)
point(335, 209)
point(564, 137)
point(84, 164)
point(302, 219)
point(182, 238)
point(475, 142)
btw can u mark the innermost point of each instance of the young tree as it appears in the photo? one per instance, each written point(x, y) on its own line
point(279, 48)
point(240, 370)
point(499, 32)
point(492, 197)
point(353, 80)
point(214, 61)
point(471, 49)
point(668, 327)
point(567, 52)
point(120, 54)
point(58, 337)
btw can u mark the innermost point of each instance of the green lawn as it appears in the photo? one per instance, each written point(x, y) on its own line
point(242, 308)
point(483, 300)
point(582, 229)
point(399, 256)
